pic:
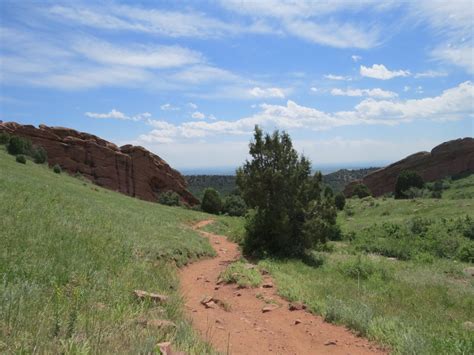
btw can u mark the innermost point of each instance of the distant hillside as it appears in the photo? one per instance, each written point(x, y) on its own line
point(224, 184)
point(339, 179)
point(451, 158)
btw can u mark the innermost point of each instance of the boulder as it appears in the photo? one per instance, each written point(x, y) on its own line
point(131, 170)
point(447, 159)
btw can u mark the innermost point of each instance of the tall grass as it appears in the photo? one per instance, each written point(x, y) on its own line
point(71, 256)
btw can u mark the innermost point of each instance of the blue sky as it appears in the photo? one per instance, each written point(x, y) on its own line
point(353, 82)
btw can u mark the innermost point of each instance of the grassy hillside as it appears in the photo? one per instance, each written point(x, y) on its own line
point(417, 303)
point(72, 254)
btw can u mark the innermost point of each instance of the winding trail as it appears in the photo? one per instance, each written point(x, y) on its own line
point(244, 328)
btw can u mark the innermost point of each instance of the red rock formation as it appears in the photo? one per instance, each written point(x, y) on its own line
point(131, 170)
point(447, 159)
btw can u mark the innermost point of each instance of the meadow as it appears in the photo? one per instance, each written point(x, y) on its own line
point(72, 254)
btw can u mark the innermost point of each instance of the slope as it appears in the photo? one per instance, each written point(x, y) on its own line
point(72, 254)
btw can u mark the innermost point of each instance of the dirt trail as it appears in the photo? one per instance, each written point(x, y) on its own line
point(245, 329)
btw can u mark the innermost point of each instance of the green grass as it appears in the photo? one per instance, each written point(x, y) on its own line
point(232, 227)
point(72, 254)
point(242, 274)
point(415, 306)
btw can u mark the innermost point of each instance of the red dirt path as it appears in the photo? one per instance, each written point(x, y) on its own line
point(245, 329)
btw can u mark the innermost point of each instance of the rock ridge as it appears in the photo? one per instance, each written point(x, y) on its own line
point(130, 170)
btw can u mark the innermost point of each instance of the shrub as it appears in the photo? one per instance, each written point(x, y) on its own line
point(288, 207)
point(20, 159)
point(340, 201)
point(466, 252)
point(211, 201)
point(57, 169)
point(39, 155)
point(328, 192)
point(4, 138)
point(18, 145)
point(361, 191)
point(169, 198)
point(363, 268)
point(234, 206)
point(405, 181)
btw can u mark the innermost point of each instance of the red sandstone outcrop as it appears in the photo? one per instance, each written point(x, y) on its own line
point(447, 159)
point(131, 170)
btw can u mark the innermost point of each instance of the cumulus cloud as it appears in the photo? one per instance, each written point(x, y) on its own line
point(356, 58)
point(267, 92)
point(198, 115)
point(380, 71)
point(376, 92)
point(192, 105)
point(117, 115)
point(451, 104)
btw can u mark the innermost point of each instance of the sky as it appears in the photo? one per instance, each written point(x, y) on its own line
point(355, 83)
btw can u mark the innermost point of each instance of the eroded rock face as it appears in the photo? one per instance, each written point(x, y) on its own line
point(131, 170)
point(447, 159)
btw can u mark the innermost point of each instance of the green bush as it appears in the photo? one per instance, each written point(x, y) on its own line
point(20, 159)
point(361, 191)
point(234, 206)
point(289, 213)
point(19, 145)
point(211, 201)
point(169, 198)
point(406, 180)
point(57, 169)
point(4, 138)
point(441, 239)
point(39, 155)
point(362, 268)
point(328, 192)
point(340, 201)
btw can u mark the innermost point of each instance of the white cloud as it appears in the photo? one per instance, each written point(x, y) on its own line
point(162, 22)
point(313, 20)
point(461, 55)
point(114, 114)
point(199, 74)
point(192, 105)
point(169, 107)
point(406, 88)
point(314, 89)
point(380, 71)
point(267, 92)
point(198, 115)
point(451, 104)
point(430, 74)
point(337, 77)
point(376, 92)
point(142, 56)
point(339, 35)
point(452, 23)
point(356, 58)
